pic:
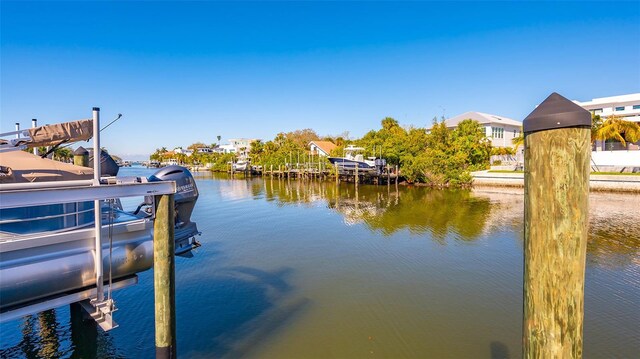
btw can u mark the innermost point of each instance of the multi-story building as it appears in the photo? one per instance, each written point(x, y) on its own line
point(625, 106)
point(501, 130)
point(242, 146)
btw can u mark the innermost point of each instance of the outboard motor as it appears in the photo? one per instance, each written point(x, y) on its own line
point(381, 163)
point(108, 166)
point(185, 200)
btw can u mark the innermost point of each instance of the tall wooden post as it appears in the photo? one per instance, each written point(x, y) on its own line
point(164, 277)
point(556, 214)
point(388, 177)
point(357, 179)
point(81, 157)
point(397, 175)
point(337, 173)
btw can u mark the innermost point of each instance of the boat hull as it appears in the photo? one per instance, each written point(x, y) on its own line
point(347, 163)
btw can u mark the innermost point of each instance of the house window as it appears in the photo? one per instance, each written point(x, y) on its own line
point(620, 108)
point(597, 111)
point(636, 107)
point(497, 132)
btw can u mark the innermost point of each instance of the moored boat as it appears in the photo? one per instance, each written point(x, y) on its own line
point(49, 250)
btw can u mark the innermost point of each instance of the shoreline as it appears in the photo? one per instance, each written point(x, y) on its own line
point(597, 183)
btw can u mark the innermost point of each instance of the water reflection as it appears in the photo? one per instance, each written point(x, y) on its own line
point(389, 209)
point(614, 236)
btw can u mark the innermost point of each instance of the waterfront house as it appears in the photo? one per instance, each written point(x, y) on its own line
point(626, 107)
point(501, 130)
point(321, 148)
point(242, 146)
point(179, 150)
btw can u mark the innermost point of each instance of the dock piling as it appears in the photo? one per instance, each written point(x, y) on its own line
point(164, 277)
point(556, 206)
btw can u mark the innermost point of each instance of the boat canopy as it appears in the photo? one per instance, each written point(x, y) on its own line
point(21, 166)
point(51, 135)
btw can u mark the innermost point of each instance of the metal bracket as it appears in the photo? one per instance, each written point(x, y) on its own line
point(101, 312)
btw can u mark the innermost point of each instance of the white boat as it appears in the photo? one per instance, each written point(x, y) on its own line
point(49, 250)
point(241, 165)
point(353, 158)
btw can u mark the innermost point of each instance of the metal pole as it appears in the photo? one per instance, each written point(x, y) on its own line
point(34, 124)
point(556, 216)
point(164, 277)
point(97, 204)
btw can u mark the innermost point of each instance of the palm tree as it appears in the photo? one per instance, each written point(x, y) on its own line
point(518, 140)
point(218, 137)
point(615, 128)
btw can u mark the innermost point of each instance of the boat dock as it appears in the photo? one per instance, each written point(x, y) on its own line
point(324, 171)
point(67, 240)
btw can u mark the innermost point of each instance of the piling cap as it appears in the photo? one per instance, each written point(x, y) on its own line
point(556, 112)
point(80, 151)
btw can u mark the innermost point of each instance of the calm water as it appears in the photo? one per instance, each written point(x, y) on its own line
point(311, 270)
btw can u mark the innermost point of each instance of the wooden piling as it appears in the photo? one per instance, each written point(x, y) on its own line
point(556, 206)
point(357, 179)
point(388, 176)
point(81, 157)
point(164, 277)
point(397, 176)
point(337, 174)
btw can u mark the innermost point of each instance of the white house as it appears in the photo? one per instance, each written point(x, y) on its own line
point(242, 146)
point(184, 152)
point(226, 149)
point(321, 148)
point(501, 130)
point(627, 107)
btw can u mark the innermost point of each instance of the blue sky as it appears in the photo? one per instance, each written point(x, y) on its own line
point(187, 72)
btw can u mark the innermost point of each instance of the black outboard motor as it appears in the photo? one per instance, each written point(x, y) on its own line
point(108, 166)
point(185, 200)
point(381, 163)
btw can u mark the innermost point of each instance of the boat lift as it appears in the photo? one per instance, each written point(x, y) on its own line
point(18, 195)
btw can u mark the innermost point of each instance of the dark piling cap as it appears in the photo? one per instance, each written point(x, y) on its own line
point(80, 151)
point(96, 108)
point(556, 112)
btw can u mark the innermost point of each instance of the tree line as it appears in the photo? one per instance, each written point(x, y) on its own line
point(438, 156)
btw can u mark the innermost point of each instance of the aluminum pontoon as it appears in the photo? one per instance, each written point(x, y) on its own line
point(64, 235)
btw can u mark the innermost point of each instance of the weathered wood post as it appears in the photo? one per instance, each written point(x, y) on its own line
point(556, 213)
point(164, 277)
point(357, 179)
point(397, 175)
point(388, 176)
point(337, 173)
point(81, 157)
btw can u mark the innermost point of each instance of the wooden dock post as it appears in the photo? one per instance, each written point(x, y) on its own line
point(397, 176)
point(164, 277)
point(388, 176)
point(357, 179)
point(81, 157)
point(556, 215)
point(337, 173)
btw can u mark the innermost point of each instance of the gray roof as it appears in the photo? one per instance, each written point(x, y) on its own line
point(482, 118)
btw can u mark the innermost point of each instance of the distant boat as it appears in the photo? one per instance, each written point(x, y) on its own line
point(241, 166)
point(353, 158)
